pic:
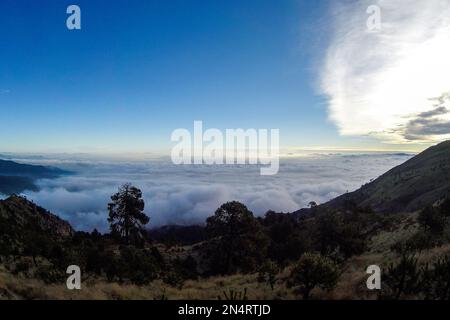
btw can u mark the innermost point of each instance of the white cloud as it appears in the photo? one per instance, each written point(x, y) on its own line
point(189, 194)
point(378, 81)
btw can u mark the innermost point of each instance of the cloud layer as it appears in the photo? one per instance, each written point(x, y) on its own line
point(189, 194)
point(379, 81)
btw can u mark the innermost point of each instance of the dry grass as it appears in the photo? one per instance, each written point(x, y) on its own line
point(19, 287)
point(351, 285)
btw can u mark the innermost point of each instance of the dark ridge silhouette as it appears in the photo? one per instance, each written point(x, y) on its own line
point(16, 177)
point(11, 168)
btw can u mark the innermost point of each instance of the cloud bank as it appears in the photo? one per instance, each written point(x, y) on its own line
point(379, 82)
point(189, 194)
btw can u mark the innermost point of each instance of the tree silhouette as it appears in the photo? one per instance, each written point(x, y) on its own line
point(237, 239)
point(126, 214)
point(312, 204)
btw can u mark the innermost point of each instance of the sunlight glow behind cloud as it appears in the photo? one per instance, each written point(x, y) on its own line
point(378, 83)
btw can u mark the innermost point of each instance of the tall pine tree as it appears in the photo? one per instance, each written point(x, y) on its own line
point(126, 214)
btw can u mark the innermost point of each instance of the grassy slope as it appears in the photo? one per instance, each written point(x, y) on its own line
point(351, 284)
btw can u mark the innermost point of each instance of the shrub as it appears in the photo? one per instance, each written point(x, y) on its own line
point(237, 241)
point(174, 279)
point(346, 232)
point(432, 220)
point(402, 279)
point(49, 274)
point(234, 295)
point(436, 280)
point(137, 265)
point(314, 270)
point(289, 238)
point(268, 273)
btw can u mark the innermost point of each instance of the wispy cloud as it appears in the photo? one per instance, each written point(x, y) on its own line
point(4, 91)
point(377, 82)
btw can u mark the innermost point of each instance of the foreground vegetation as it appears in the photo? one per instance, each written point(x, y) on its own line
point(320, 255)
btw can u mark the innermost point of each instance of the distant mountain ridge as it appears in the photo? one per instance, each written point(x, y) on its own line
point(11, 168)
point(420, 181)
point(16, 184)
point(17, 177)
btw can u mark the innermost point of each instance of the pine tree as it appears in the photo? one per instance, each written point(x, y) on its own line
point(126, 214)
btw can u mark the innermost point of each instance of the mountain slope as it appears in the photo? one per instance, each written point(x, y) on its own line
point(21, 219)
point(22, 212)
point(418, 182)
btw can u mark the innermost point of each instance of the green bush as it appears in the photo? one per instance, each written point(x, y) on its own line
point(403, 279)
point(313, 271)
point(268, 273)
point(49, 274)
point(436, 280)
point(432, 220)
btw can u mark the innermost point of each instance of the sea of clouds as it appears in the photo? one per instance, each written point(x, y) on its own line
point(189, 194)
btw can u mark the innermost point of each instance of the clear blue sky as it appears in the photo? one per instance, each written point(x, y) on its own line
point(140, 69)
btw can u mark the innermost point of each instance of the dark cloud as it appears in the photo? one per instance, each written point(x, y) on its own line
point(436, 112)
point(427, 124)
point(418, 129)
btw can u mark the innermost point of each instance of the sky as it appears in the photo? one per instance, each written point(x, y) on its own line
point(137, 70)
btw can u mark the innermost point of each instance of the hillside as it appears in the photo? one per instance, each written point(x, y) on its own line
point(20, 219)
point(418, 182)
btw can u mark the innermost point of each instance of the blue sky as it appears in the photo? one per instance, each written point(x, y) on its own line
point(140, 69)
